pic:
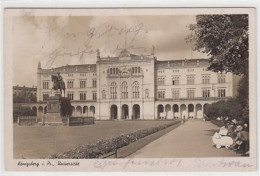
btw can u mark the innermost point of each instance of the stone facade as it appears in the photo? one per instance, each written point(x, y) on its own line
point(138, 87)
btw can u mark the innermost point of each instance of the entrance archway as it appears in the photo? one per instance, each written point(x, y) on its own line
point(92, 111)
point(85, 111)
point(125, 112)
point(34, 109)
point(183, 111)
point(160, 110)
point(78, 111)
point(73, 111)
point(199, 114)
point(136, 111)
point(176, 111)
point(191, 111)
point(113, 112)
point(169, 114)
point(40, 111)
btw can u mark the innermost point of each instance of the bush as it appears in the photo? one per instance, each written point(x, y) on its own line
point(66, 108)
point(229, 108)
point(104, 146)
point(22, 111)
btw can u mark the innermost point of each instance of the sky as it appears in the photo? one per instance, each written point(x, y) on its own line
point(57, 40)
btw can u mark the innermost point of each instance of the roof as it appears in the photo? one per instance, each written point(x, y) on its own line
point(182, 63)
point(73, 68)
point(126, 55)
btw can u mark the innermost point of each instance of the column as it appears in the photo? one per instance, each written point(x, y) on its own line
point(179, 111)
point(119, 115)
point(130, 110)
point(195, 113)
point(202, 109)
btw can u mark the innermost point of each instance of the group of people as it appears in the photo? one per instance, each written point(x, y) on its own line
point(238, 130)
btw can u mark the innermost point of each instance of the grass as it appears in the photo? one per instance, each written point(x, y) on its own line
point(40, 142)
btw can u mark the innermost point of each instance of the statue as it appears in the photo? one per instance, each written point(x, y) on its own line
point(58, 83)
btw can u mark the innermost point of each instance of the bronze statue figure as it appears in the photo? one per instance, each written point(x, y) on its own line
point(58, 83)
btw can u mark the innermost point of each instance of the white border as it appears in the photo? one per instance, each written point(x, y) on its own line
point(93, 4)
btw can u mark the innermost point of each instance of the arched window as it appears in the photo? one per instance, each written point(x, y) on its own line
point(124, 90)
point(136, 89)
point(113, 93)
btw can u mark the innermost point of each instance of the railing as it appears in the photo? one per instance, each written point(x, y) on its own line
point(27, 120)
point(74, 121)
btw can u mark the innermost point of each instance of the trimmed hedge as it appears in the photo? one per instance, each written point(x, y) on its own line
point(104, 146)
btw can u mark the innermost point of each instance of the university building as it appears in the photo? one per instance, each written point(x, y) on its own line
point(131, 86)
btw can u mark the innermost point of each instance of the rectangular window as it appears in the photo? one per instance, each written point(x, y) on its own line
point(175, 80)
point(221, 92)
point(70, 84)
point(205, 79)
point(103, 94)
point(146, 93)
point(206, 93)
point(221, 79)
point(94, 83)
point(190, 80)
point(82, 96)
point(82, 84)
point(160, 81)
point(190, 93)
point(71, 96)
point(45, 97)
point(161, 94)
point(94, 94)
point(176, 94)
point(45, 85)
point(70, 74)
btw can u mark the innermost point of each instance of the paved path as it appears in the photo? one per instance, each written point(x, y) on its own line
point(192, 139)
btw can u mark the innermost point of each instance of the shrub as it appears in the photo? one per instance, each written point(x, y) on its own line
point(22, 111)
point(104, 146)
point(229, 108)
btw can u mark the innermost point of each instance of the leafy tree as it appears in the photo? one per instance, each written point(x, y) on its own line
point(225, 39)
point(66, 108)
point(22, 111)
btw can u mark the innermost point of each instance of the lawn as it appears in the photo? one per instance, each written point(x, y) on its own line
point(40, 141)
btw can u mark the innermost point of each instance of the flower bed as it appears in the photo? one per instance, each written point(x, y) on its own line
point(105, 146)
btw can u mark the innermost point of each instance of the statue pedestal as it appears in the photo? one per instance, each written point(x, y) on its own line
point(53, 114)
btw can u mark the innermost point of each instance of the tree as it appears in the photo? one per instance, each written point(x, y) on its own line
point(66, 108)
point(224, 38)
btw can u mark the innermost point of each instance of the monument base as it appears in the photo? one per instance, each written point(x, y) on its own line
point(52, 119)
point(53, 114)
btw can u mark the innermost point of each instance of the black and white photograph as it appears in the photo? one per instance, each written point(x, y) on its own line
point(130, 85)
